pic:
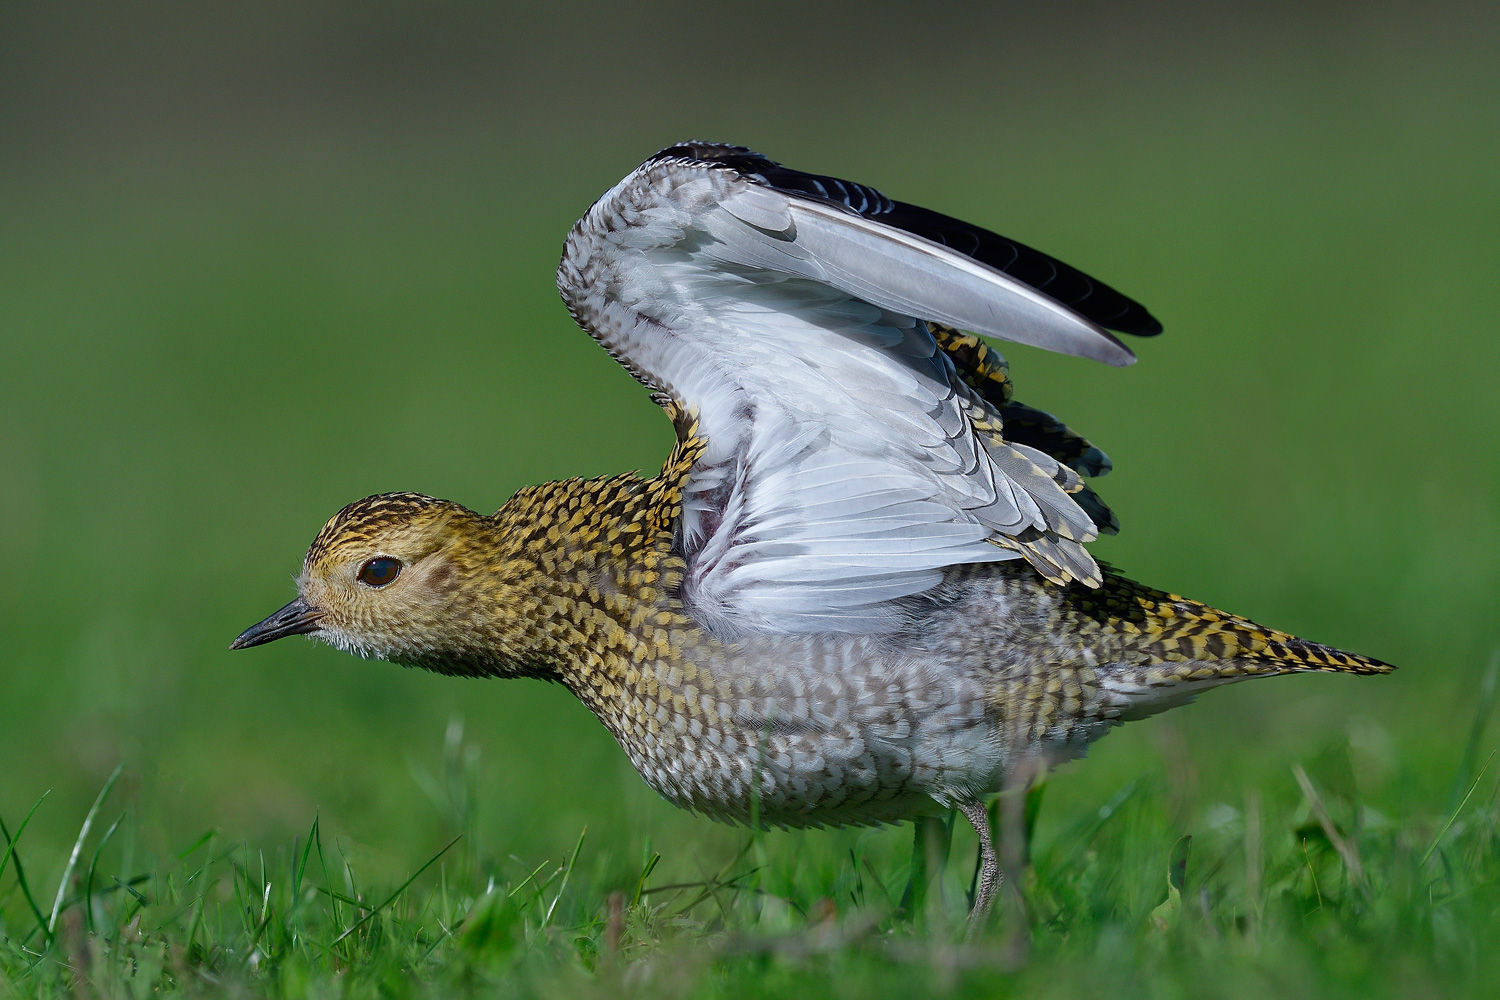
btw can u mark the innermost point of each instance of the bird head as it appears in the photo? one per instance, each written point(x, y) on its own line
point(382, 579)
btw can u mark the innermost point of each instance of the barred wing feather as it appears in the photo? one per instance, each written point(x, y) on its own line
point(847, 463)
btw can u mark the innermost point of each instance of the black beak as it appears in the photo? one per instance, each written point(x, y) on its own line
point(297, 618)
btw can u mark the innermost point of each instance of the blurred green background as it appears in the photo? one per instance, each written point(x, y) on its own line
point(257, 262)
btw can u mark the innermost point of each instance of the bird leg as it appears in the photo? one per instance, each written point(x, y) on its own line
point(990, 873)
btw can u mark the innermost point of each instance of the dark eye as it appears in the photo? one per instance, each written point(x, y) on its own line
point(379, 571)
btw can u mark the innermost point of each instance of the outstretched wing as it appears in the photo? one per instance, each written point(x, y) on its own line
point(848, 462)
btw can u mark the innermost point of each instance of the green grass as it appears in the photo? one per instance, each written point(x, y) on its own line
point(214, 332)
point(1305, 891)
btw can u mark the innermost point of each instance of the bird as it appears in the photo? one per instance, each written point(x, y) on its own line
point(859, 591)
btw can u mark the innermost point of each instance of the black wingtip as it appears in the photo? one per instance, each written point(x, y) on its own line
point(738, 157)
point(1146, 325)
point(1089, 297)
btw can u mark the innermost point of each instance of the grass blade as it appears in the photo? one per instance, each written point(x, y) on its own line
point(395, 895)
point(526, 881)
point(88, 881)
point(1484, 707)
point(1346, 848)
point(567, 874)
point(1458, 809)
point(130, 887)
point(209, 835)
point(10, 844)
point(83, 832)
point(36, 911)
point(640, 883)
point(333, 904)
point(312, 835)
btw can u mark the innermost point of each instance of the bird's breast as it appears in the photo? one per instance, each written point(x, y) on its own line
point(801, 730)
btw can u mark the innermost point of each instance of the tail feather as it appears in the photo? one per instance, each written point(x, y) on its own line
point(1169, 639)
point(1293, 653)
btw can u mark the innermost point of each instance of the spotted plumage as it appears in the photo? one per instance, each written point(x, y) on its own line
point(859, 590)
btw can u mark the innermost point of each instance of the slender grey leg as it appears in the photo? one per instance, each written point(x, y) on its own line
point(990, 874)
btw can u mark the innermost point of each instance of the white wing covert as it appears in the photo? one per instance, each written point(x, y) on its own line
point(847, 462)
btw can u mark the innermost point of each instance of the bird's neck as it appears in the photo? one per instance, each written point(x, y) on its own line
point(566, 582)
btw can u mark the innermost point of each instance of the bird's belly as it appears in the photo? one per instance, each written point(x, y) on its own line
point(810, 732)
